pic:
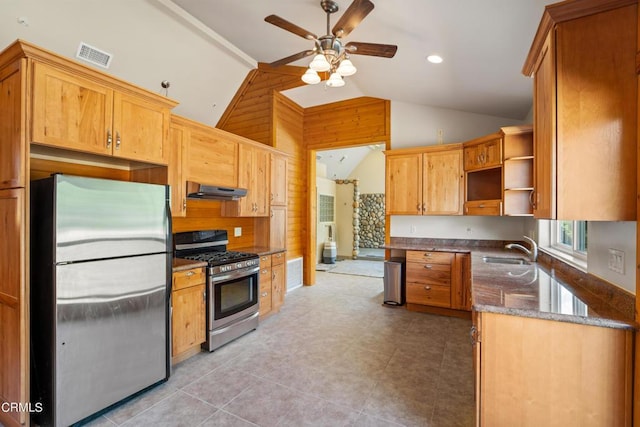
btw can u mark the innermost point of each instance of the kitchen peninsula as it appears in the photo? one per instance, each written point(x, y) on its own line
point(546, 347)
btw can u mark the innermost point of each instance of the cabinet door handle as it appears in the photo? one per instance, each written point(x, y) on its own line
point(473, 335)
point(272, 197)
point(204, 296)
point(271, 213)
point(109, 138)
point(118, 141)
point(531, 199)
point(184, 204)
point(427, 288)
point(418, 207)
point(424, 207)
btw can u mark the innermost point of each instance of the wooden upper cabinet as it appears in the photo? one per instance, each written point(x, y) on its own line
point(443, 185)
point(71, 112)
point(425, 181)
point(78, 113)
point(278, 180)
point(12, 139)
point(210, 157)
point(254, 175)
point(403, 183)
point(583, 61)
point(175, 146)
point(483, 154)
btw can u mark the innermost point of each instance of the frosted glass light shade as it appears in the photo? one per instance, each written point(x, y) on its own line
point(346, 68)
point(310, 77)
point(335, 80)
point(319, 63)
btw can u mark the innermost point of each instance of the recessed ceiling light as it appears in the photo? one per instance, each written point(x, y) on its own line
point(434, 59)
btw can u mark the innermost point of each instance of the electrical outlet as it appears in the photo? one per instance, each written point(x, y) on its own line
point(413, 229)
point(616, 260)
point(440, 136)
point(237, 232)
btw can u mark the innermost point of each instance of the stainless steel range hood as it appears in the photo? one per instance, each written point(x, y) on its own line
point(213, 192)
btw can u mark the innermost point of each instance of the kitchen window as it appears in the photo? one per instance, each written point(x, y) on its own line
point(565, 240)
point(570, 237)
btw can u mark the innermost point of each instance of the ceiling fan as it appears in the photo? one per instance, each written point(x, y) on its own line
point(331, 54)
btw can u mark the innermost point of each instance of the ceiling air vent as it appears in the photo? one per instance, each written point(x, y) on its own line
point(95, 56)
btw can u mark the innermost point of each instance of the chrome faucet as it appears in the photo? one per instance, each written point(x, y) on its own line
point(532, 254)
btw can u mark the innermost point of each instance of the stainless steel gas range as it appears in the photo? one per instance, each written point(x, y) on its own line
point(232, 284)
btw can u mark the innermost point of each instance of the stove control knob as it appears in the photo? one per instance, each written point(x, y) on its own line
point(239, 265)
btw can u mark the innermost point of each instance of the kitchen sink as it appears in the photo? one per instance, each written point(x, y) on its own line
point(504, 260)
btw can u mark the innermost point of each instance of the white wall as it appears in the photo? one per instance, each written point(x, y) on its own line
point(149, 44)
point(417, 125)
point(612, 235)
point(458, 227)
point(327, 187)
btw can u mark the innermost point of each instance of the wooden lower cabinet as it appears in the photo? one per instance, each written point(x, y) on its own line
point(272, 283)
point(536, 372)
point(188, 319)
point(14, 320)
point(438, 279)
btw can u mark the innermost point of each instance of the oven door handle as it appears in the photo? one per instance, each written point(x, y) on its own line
point(234, 274)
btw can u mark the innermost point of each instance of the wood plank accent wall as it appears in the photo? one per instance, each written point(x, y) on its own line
point(358, 121)
point(250, 112)
point(348, 123)
point(261, 113)
point(207, 214)
point(288, 137)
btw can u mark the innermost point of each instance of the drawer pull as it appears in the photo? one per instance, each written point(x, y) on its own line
point(264, 258)
point(265, 271)
point(189, 273)
point(264, 294)
point(427, 288)
point(279, 255)
point(427, 254)
point(428, 266)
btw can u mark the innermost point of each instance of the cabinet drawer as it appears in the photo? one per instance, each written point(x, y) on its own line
point(278, 258)
point(483, 207)
point(265, 261)
point(264, 279)
point(430, 257)
point(435, 295)
point(429, 274)
point(188, 278)
point(265, 301)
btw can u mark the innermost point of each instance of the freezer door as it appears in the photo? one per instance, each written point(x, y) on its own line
point(100, 218)
point(111, 332)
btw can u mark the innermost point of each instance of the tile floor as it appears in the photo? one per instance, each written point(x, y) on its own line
point(333, 356)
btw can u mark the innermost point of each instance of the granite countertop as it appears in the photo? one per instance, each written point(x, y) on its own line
point(181, 264)
point(529, 290)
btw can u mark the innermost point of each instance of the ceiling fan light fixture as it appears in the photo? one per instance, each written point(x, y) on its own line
point(320, 63)
point(311, 77)
point(346, 68)
point(335, 80)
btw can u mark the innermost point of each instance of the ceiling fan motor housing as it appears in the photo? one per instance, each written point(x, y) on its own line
point(329, 6)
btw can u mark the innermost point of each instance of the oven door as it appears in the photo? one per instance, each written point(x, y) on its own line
point(232, 296)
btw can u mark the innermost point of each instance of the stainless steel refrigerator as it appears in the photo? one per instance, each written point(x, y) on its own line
point(100, 284)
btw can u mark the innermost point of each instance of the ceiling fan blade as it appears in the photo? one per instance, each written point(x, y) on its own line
point(371, 49)
point(292, 28)
point(350, 19)
point(292, 58)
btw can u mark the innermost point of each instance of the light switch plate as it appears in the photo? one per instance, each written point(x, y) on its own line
point(616, 260)
point(237, 232)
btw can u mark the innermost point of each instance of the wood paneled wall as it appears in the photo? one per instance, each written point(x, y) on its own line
point(261, 113)
point(348, 123)
point(207, 214)
point(250, 112)
point(288, 137)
